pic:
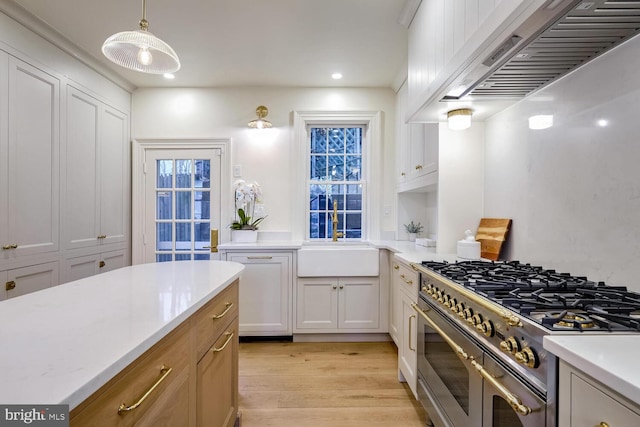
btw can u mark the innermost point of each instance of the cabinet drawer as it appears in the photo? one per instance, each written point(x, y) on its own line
point(129, 387)
point(406, 278)
point(211, 319)
point(591, 406)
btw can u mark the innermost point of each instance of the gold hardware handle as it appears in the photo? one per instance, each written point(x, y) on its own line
point(221, 315)
point(407, 281)
point(418, 167)
point(341, 286)
point(7, 247)
point(459, 350)
point(510, 318)
point(101, 264)
point(102, 236)
point(603, 424)
point(403, 174)
point(413, 316)
point(513, 400)
point(396, 267)
point(415, 268)
point(259, 257)
point(229, 337)
point(9, 286)
point(164, 371)
point(334, 287)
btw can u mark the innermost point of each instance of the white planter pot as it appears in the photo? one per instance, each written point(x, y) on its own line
point(244, 236)
point(412, 237)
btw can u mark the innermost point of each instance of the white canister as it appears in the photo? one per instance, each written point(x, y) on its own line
point(469, 248)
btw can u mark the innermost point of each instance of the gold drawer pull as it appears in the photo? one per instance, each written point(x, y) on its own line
point(396, 267)
point(7, 247)
point(102, 236)
point(603, 424)
point(418, 167)
point(221, 315)
point(408, 282)
point(101, 264)
point(229, 338)
point(415, 268)
point(9, 286)
point(164, 371)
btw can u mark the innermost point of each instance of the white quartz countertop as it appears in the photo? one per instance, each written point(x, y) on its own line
point(611, 359)
point(61, 344)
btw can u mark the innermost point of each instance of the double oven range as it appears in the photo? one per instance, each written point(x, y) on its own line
point(480, 330)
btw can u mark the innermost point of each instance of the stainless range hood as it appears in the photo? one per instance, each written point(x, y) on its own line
point(562, 36)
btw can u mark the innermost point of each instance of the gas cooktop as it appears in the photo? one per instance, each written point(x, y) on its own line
point(557, 301)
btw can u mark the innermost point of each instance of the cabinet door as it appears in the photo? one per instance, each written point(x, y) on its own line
point(317, 303)
point(407, 356)
point(402, 137)
point(359, 303)
point(33, 160)
point(396, 306)
point(424, 149)
point(4, 153)
point(265, 293)
point(82, 198)
point(113, 175)
point(80, 267)
point(112, 261)
point(21, 281)
point(217, 381)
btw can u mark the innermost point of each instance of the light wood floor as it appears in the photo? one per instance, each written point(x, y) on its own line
point(324, 385)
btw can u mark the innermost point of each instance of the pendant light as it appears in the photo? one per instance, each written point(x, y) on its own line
point(260, 123)
point(140, 50)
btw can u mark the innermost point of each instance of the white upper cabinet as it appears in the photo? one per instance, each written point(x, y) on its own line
point(95, 171)
point(446, 36)
point(29, 159)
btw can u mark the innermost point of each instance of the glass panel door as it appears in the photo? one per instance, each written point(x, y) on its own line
point(182, 190)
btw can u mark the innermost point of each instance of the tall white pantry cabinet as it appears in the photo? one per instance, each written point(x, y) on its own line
point(64, 177)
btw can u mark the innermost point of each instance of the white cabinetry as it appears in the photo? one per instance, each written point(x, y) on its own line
point(20, 281)
point(583, 401)
point(349, 304)
point(96, 172)
point(416, 149)
point(29, 160)
point(265, 292)
point(405, 285)
point(85, 266)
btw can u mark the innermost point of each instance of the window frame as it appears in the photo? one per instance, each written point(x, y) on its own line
point(371, 122)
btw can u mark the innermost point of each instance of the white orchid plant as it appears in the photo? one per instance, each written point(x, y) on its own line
point(246, 197)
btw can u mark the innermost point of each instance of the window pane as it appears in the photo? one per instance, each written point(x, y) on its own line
point(337, 193)
point(319, 168)
point(318, 197)
point(203, 174)
point(202, 205)
point(164, 173)
point(163, 257)
point(354, 225)
point(183, 204)
point(354, 140)
point(183, 236)
point(163, 205)
point(354, 167)
point(336, 140)
point(318, 140)
point(183, 257)
point(163, 236)
point(354, 198)
point(183, 173)
point(314, 225)
point(336, 168)
point(201, 234)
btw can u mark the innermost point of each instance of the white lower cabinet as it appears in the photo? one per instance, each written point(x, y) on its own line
point(85, 266)
point(338, 304)
point(21, 281)
point(265, 292)
point(583, 401)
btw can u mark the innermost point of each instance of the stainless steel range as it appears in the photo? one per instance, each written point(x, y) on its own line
point(481, 325)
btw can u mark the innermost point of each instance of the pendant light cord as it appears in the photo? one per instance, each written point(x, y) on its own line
point(144, 24)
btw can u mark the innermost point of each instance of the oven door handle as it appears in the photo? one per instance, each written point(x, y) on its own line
point(459, 350)
point(511, 398)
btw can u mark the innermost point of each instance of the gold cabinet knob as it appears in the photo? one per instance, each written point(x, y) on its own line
point(101, 264)
point(418, 167)
point(603, 424)
point(11, 246)
point(396, 267)
point(10, 285)
point(403, 174)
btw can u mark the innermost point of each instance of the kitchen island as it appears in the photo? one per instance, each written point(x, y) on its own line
point(63, 344)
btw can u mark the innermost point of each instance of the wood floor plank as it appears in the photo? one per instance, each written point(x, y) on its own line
point(324, 385)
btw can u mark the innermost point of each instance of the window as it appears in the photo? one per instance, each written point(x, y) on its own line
point(335, 177)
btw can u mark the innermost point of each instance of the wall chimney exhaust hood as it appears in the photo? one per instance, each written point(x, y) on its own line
point(560, 37)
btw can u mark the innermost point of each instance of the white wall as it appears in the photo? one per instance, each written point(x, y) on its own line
point(265, 156)
point(573, 191)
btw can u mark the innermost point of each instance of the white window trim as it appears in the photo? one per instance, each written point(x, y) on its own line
point(372, 136)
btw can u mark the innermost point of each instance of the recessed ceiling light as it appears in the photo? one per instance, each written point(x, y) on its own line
point(169, 76)
point(603, 122)
point(336, 76)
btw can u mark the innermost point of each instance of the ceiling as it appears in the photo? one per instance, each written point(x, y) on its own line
point(223, 43)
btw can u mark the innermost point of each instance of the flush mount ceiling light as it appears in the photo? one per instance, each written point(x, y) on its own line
point(260, 123)
point(140, 50)
point(459, 119)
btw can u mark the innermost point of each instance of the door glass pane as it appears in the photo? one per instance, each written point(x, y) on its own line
point(201, 234)
point(503, 414)
point(164, 241)
point(183, 205)
point(183, 173)
point(163, 205)
point(203, 173)
point(163, 257)
point(202, 205)
point(165, 173)
point(183, 236)
point(183, 257)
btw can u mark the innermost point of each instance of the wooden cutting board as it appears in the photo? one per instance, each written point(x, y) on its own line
point(492, 233)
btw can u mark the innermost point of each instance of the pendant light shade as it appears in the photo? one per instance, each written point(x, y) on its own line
point(260, 122)
point(140, 50)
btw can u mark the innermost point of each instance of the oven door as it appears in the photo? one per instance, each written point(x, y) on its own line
point(507, 401)
point(448, 386)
